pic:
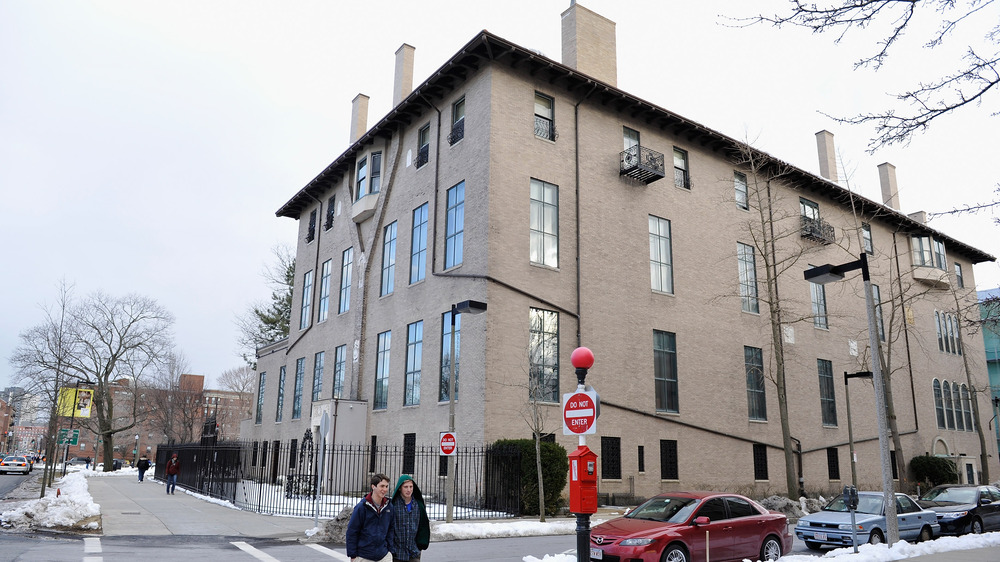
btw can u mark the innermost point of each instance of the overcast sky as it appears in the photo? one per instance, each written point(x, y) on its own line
point(145, 146)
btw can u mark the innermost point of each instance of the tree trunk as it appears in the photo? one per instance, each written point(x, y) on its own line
point(541, 483)
point(984, 457)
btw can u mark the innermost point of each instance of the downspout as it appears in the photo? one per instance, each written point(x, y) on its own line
point(319, 214)
point(437, 180)
point(576, 163)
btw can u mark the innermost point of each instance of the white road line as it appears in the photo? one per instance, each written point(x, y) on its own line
point(93, 559)
point(91, 545)
point(329, 552)
point(259, 555)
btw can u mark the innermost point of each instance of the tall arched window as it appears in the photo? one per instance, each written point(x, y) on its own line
point(967, 406)
point(956, 396)
point(949, 410)
point(939, 404)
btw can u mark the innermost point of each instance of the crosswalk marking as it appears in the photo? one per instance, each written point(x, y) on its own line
point(259, 555)
point(329, 552)
point(91, 545)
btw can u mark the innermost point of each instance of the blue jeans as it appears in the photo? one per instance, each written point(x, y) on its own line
point(171, 483)
point(141, 473)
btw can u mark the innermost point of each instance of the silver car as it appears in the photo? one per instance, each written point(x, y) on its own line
point(15, 464)
point(832, 526)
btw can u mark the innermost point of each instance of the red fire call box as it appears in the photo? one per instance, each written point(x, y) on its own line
point(583, 481)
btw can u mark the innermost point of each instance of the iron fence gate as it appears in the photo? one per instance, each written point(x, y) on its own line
point(285, 478)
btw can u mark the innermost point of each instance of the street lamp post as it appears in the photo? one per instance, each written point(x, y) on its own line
point(471, 307)
point(135, 453)
point(850, 428)
point(828, 273)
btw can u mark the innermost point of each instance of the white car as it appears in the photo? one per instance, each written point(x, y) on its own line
point(15, 464)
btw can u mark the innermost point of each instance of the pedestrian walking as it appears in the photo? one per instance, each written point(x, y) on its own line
point(88, 463)
point(370, 529)
point(411, 528)
point(143, 466)
point(173, 469)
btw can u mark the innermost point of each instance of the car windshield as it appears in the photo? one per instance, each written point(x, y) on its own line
point(957, 495)
point(667, 509)
point(866, 504)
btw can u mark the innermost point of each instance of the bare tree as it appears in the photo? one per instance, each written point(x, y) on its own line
point(265, 323)
point(240, 379)
point(175, 410)
point(976, 76)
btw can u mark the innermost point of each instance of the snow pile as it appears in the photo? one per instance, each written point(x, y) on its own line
point(514, 528)
point(903, 550)
point(67, 505)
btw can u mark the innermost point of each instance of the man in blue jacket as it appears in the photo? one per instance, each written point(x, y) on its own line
point(370, 529)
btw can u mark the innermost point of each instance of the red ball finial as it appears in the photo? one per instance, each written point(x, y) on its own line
point(582, 358)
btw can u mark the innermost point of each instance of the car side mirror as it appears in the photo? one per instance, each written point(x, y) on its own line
point(627, 511)
point(701, 521)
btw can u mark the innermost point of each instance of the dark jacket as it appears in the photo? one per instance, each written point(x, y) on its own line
point(423, 537)
point(143, 464)
point(173, 467)
point(370, 530)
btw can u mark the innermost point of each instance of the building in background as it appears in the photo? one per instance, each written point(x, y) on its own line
point(585, 216)
point(991, 340)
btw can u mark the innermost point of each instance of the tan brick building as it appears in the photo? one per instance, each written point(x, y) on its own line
point(584, 216)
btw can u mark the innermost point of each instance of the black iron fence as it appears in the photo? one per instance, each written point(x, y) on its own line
point(294, 478)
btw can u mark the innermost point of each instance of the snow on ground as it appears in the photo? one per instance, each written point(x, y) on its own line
point(74, 507)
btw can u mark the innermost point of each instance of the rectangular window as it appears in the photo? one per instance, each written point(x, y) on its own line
point(311, 231)
point(544, 223)
point(833, 463)
point(949, 338)
point(339, 365)
point(759, 461)
point(682, 177)
point(318, 376)
point(866, 238)
point(543, 355)
point(300, 375)
point(409, 453)
point(381, 394)
point(454, 226)
point(740, 187)
point(307, 289)
point(818, 295)
point(747, 260)
point(611, 458)
point(827, 398)
point(753, 359)
point(808, 209)
point(324, 290)
point(446, 354)
point(388, 260)
point(259, 417)
point(361, 179)
point(457, 121)
point(630, 137)
point(668, 459)
point(376, 173)
point(418, 245)
point(922, 253)
point(877, 298)
point(959, 278)
point(939, 404)
point(661, 268)
point(641, 459)
point(940, 260)
point(346, 265)
point(331, 206)
point(665, 371)
point(545, 125)
point(280, 411)
point(423, 145)
point(414, 358)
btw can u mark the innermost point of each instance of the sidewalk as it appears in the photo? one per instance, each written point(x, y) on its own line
point(132, 508)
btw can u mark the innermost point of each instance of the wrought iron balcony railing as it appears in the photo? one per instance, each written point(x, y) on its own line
point(545, 128)
point(457, 131)
point(423, 155)
point(818, 230)
point(642, 164)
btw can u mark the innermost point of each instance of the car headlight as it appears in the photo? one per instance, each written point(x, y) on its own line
point(952, 514)
point(636, 542)
point(847, 527)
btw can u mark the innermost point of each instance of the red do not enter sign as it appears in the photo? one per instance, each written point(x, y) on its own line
point(580, 413)
point(449, 444)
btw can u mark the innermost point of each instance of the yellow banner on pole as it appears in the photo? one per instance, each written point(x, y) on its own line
point(75, 402)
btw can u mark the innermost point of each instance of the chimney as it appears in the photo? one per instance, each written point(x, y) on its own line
point(887, 177)
point(403, 82)
point(359, 117)
point(588, 44)
point(827, 155)
point(919, 216)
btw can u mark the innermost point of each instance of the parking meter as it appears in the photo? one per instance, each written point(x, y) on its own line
point(583, 481)
point(851, 497)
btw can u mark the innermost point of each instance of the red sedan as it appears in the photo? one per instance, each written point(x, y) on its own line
point(689, 526)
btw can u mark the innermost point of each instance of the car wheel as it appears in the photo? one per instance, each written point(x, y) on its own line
point(876, 537)
point(925, 535)
point(771, 549)
point(814, 545)
point(675, 553)
point(977, 526)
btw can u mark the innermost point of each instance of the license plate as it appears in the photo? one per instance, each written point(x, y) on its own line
point(596, 554)
point(819, 536)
